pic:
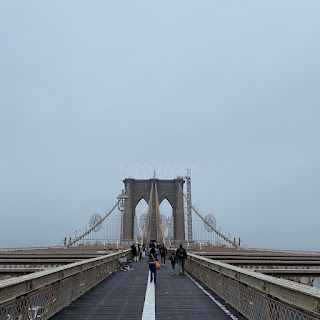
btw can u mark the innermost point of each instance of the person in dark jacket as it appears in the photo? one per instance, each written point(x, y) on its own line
point(153, 271)
point(134, 251)
point(152, 244)
point(163, 253)
point(182, 256)
point(173, 259)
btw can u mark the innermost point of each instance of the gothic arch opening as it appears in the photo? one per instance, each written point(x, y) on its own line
point(166, 212)
point(140, 215)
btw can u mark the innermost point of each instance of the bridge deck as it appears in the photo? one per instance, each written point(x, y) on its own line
point(122, 296)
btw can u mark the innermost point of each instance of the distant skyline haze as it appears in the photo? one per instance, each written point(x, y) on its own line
point(93, 93)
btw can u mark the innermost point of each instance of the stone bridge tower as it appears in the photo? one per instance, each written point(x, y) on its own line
point(166, 189)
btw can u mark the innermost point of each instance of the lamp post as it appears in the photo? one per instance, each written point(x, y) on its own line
point(122, 197)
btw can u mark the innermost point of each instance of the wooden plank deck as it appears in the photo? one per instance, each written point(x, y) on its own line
point(122, 296)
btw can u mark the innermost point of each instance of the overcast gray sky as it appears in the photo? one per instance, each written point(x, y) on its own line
point(92, 92)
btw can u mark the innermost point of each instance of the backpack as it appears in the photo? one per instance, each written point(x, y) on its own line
point(180, 253)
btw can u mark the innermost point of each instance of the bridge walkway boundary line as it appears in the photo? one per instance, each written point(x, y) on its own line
point(255, 295)
point(180, 298)
point(122, 296)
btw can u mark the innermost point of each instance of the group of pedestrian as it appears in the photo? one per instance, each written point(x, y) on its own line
point(138, 251)
point(176, 258)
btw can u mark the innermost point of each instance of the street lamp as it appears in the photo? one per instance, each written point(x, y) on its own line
point(122, 197)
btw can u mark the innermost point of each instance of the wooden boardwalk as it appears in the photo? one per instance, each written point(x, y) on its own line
point(122, 296)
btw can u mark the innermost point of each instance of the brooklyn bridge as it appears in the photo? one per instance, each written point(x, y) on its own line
point(91, 274)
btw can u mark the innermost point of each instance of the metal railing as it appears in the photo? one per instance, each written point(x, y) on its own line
point(29, 248)
point(256, 296)
point(47, 292)
point(289, 251)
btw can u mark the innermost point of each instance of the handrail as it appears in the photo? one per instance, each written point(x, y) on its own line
point(286, 291)
point(12, 289)
point(284, 251)
point(30, 248)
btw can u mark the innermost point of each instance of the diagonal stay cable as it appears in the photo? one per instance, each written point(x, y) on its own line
point(94, 226)
point(208, 224)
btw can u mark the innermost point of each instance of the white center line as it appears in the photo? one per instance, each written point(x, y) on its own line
point(149, 307)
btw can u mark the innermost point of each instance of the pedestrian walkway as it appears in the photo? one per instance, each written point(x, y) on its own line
point(122, 296)
point(179, 298)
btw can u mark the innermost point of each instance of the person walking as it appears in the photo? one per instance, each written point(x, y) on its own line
point(140, 252)
point(134, 251)
point(173, 259)
point(163, 253)
point(152, 244)
point(182, 256)
point(137, 251)
point(152, 259)
point(143, 250)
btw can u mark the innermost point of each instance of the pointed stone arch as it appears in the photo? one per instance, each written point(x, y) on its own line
point(166, 189)
point(141, 209)
point(166, 211)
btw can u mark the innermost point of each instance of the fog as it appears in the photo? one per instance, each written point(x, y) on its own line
point(95, 92)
